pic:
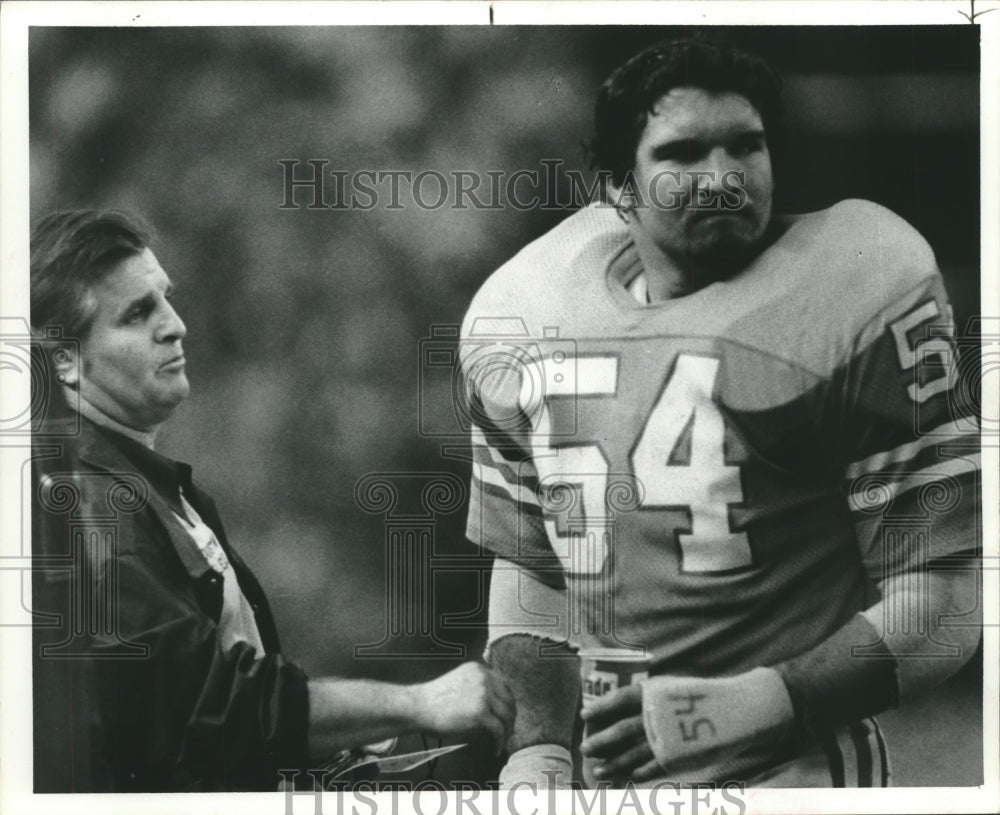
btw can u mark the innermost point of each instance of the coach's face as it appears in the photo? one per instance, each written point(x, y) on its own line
point(704, 172)
point(132, 363)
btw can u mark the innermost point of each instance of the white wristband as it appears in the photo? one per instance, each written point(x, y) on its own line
point(694, 722)
point(539, 767)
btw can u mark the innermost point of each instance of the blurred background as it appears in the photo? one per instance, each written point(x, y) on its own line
point(307, 327)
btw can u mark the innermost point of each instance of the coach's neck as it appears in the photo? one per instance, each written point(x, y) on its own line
point(102, 419)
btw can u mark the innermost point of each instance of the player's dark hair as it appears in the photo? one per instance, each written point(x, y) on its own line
point(72, 251)
point(626, 99)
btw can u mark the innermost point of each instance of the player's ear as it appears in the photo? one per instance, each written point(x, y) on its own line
point(626, 197)
point(66, 359)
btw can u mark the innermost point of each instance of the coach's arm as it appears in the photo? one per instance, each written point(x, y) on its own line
point(345, 713)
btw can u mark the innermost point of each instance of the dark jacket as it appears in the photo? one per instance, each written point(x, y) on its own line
point(132, 691)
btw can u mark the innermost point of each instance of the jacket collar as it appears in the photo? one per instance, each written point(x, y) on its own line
point(109, 450)
point(106, 450)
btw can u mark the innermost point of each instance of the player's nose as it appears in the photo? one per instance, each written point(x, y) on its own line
point(713, 169)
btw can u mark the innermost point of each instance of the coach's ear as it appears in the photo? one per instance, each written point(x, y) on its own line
point(66, 359)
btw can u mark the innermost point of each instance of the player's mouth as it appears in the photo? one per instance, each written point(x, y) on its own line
point(715, 213)
point(700, 216)
point(726, 221)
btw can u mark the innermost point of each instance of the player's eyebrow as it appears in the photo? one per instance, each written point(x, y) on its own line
point(675, 148)
point(755, 133)
point(694, 144)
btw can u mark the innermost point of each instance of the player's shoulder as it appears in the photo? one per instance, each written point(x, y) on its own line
point(584, 235)
point(870, 245)
point(859, 257)
point(880, 227)
point(573, 253)
point(834, 280)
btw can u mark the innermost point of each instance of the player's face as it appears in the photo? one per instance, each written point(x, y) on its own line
point(132, 364)
point(703, 169)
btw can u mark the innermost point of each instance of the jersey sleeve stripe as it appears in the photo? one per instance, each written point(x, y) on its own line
point(882, 489)
point(509, 463)
point(487, 476)
point(501, 450)
point(948, 432)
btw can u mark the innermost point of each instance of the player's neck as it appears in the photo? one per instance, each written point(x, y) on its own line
point(669, 277)
point(666, 278)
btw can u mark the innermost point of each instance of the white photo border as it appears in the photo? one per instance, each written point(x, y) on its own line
point(15, 18)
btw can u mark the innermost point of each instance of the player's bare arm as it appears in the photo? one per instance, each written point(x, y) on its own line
point(697, 723)
point(529, 647)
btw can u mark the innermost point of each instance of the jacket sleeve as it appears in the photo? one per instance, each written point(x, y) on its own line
point(145, 696)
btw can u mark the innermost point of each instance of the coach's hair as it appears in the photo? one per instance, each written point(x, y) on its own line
point(627, 97)
point(72, 251)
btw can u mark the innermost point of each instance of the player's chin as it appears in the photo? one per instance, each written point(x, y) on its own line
point(724, 227)
point(727, 255)
point(724, 238)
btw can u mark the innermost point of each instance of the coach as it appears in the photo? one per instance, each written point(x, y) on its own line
point(161, 669)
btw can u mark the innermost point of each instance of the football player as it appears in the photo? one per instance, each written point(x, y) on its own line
point(718, 458)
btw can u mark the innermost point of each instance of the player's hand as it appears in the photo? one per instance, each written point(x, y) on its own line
point(670, 724)
point(617, 737)
point(464, 701)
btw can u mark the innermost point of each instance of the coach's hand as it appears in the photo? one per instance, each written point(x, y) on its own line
point(468, 699)
point(669, 723)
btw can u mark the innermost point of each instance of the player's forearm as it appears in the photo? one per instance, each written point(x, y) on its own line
point(529, 647)
point(913, 620)
point(544, 678)
point(345, 713)
point(886, 652)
